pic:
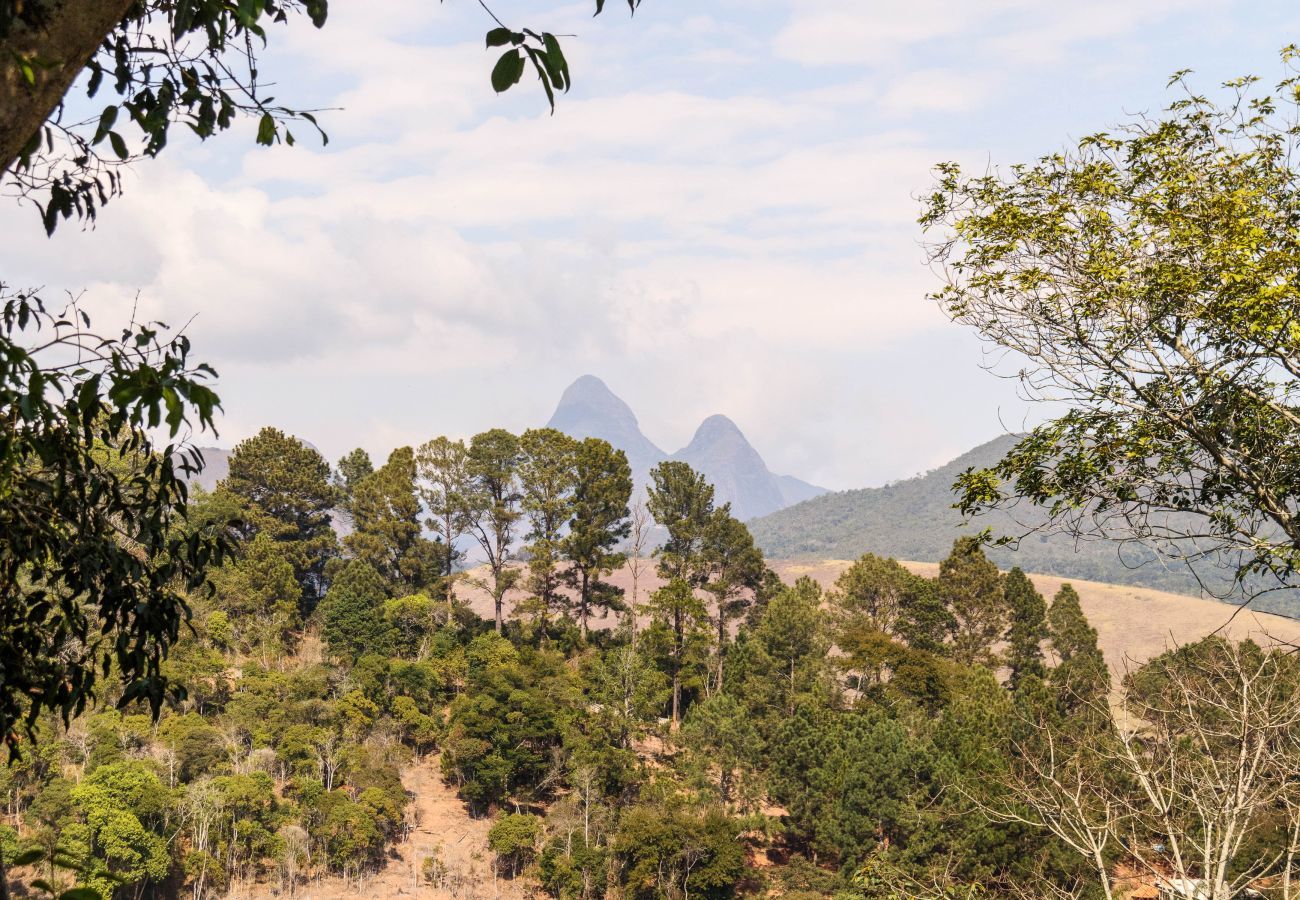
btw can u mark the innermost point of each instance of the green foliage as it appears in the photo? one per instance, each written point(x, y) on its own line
point(1145, 274)
point(284, 487)
point(92, 562)
point(681, 501)
point(493, 464)
point(546, 479)
point(387, 532)
point(1028, 612)
point(671, 852)
point(352, 614)
point(971, 589)
point(1081, 677)
point(513, 838)
point(599, 523)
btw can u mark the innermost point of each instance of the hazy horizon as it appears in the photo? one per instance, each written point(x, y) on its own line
point(719, 218)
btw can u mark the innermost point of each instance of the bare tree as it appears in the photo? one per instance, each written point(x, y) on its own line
point(638, 561)
point(1186, 776)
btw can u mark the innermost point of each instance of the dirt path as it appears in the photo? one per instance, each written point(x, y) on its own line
point(439, 828)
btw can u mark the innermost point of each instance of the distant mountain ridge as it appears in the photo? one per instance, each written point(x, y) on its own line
point(914, 520)
point(719, 450)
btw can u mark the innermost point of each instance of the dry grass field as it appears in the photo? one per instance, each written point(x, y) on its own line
point(1133, 624)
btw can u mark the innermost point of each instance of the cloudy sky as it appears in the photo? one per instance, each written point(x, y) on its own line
point(720, 217)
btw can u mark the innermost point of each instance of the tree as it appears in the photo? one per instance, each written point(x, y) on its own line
point(602, 488)
point(792, 634)
point(682, 502)
point(513, 838)
point(194, 64)
point(1081, 677)
point(494, 507)
point(284, 486)
point(262, 593)
point(720, 732)
point(386, 523)
point(1200, 756)
point(353, 620)
point(93, 563)
point(1028, 611)
point(1142, 279)
point(353, 467)
point(971, 588)
point(546, 481)
point(734, 571)
point(445, 487)
point(682, 614)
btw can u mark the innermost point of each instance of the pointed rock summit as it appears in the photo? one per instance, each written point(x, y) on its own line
point(730, 463)
point(588, 408)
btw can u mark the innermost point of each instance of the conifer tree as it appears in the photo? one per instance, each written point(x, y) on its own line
point(353, 612)
point(733, 573)
point(676, 607)
point(284, 487)
point(971, 588)
point(681, 501)
point(493, 463)
point(1028, 612)
point(546, 482)
point(353, 467)
point(260, 593)
point(600, 521)
point(387, 532)
point(1081, 677)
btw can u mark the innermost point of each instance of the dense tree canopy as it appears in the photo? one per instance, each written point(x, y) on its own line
point(1145, 278)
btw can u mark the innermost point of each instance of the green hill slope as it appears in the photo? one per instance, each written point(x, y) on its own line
point(914, 519)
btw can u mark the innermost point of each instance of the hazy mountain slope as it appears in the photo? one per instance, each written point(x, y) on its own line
point(914, 519)
point(590, 409)
point(216, 466)
point(738, 474)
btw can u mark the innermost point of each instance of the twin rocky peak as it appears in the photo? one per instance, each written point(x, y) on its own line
point(719, 451)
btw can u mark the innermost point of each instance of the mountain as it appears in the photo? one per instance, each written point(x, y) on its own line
point(216, 466)
point(738, 474)
point(588, 408)
point(914, 520)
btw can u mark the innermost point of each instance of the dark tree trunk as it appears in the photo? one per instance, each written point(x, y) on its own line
point(55, 54)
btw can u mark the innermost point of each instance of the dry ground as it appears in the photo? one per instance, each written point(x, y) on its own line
point(1133, 624)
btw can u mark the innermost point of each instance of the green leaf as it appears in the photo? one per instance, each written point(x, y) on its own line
point(499, 37)
point(80, 893)
point(559, 66)
point(508, 70)
point(266, 130)
point(119, 145)
point(600, 6)
point(106, 121)
point(543, 67)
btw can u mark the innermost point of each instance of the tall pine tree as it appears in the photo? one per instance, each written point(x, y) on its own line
point(1028, 612)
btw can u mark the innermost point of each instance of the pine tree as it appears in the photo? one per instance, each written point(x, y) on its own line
point(353, 621)
point(260, 592)
point(971, 588)
point(600, 521)
point(546, 482)
point(387, 532)
point(284, 487)
point(1028, 612)
point(445, 487)
point(1081, 678)
point(682, 502)
point(353, 467)
point(733, 573)
point(676, 607)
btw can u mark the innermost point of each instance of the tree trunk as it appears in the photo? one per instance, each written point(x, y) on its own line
point(37, 66)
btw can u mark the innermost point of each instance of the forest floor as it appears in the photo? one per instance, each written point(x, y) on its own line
point(439, 826)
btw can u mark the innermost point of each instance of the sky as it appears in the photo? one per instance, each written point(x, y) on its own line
point(719, 217)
